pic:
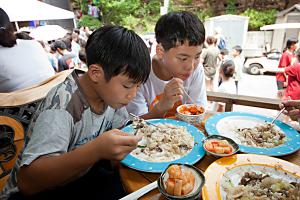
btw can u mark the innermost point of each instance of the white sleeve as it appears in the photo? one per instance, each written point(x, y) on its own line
point(197, 89)
point(138, 105)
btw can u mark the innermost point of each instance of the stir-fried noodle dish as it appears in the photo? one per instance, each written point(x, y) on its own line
point(255, 186)
point(163, 143)
point(263, 135)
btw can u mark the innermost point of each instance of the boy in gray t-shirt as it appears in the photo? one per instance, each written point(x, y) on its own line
point(74, 130)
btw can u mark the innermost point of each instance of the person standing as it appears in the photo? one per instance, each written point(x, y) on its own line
point(227, 85)
point(285, 61)
point(209, 59)
point(238, 63)
point(292, 90)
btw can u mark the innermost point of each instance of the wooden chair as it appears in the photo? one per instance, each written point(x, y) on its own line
point(16, 112)
point(12, 133)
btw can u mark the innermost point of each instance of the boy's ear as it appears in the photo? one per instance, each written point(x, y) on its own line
point(160, 51)
point(96, 73)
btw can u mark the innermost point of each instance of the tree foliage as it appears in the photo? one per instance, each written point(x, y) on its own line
point(91, 22)
point(134, 14)
point(259, 18)
point(141, 15)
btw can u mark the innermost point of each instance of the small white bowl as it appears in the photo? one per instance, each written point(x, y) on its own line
point(194, 194)
point(191, 119)
point(234, 145)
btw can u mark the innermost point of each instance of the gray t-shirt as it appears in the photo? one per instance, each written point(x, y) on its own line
point(63, 122)
point(210, 58)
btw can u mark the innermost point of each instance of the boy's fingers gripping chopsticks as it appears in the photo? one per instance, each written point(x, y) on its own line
point(126, 139)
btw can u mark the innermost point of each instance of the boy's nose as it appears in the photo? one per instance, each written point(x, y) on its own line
point(191, 65)
point(132, 94)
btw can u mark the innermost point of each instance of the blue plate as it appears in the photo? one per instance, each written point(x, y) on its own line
point(216, 125)
point(191, 158)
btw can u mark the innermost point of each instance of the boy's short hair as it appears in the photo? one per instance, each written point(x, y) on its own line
point(59, 44)
point(238, 48)
point(210, 40)
point(224, 51)
point(178, 27)
point(119, 51)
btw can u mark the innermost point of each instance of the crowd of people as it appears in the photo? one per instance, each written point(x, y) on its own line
point(74, 134)
point(20, 54)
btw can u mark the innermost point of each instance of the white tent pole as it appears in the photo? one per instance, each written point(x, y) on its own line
point(74, 21)
point(166, 4)
point(17, 26)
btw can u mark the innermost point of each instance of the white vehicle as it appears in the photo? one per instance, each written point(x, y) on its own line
point(269, 61)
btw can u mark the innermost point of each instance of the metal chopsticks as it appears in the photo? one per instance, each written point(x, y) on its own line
point(272, 122)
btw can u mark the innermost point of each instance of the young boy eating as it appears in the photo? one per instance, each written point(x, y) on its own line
point(175, 74)
point(74, 134)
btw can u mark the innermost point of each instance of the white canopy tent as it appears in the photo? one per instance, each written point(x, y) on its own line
point(29, 10)
point(280, 26)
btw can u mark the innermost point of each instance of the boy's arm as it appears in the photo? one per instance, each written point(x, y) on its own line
point(139, 105)
point(275, 70)
point(173, 92)
point(50, 168)
point(48, 172)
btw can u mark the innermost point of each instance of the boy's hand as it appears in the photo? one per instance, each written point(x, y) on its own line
point(292, 109)
point(173, 92)
point(115, 144)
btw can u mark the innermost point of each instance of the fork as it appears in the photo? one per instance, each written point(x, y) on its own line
point(149, 123)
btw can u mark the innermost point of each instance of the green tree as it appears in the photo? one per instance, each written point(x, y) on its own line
point(231, 7)
point(259, 18)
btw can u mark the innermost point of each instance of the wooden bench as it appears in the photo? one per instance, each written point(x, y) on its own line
point(232, 99)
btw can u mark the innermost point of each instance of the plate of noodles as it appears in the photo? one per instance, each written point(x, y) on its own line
point(255, 133)
point(168, 142)
point(251, 176)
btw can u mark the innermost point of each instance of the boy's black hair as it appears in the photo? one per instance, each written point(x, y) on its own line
point(238, 48)
point(175, 28)
point(119, 51)
point(224, 51)
point(68, 41)
point(290, 42)
point(59, 44)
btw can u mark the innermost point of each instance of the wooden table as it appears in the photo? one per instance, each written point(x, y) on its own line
point(134, 180)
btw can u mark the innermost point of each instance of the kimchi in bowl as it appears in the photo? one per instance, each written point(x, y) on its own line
point(190, 113)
